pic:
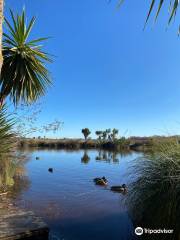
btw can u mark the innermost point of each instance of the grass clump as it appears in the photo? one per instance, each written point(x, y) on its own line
point(154, 196)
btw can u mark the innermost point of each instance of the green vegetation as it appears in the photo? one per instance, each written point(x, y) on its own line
point(121, 143)
point(23, 76)
point(107, 135)
point(157, 184)
point(143, 144)
point(7, 167)
point(99, 134)
point(86, 132)
point(173, 7)
point(6, 136)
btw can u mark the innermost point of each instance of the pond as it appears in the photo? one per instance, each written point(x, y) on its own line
point(68, 200)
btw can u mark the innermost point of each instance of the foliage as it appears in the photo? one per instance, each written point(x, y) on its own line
point(99, 134)
point(6, 148)
point(104, 135)
point(6, 136)
point(123, 142)
point(114, 134)
point(173, 7)
point(86, 132)
point(107, 135)
point(157, 187)
point(24, 76)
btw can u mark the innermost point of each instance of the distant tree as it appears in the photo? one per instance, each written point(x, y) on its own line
point(104, 135)
point(86, 132)
point(107, 134)
point(114, 134)
point(108, 131)
point(109, 137)
point(99, 134)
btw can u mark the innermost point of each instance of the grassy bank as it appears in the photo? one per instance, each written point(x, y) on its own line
point(66, 143)
point(132, 143)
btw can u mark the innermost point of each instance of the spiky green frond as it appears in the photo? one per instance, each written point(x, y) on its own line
point(6, 135)
point(24, 75)
point(173, 6)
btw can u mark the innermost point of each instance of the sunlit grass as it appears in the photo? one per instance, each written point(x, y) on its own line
point(10, 159)
point(154, 196)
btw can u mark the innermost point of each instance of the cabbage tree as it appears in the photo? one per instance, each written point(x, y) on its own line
point(86, 132)
point(1, 23)
point(24, 76)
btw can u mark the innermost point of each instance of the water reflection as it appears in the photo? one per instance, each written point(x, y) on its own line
point(69, 202)
point(85, 159)
point(111, 156)
point(74, 208)
point(102, 156)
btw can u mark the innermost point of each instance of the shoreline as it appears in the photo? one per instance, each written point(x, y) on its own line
point(17, 223)
point(128, 144)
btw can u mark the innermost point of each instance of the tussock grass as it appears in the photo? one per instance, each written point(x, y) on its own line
point(154, 196)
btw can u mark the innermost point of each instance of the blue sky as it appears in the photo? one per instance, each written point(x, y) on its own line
point(108, 72)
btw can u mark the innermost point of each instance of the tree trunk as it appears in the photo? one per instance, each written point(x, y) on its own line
point(1, 31)
point(1, 34)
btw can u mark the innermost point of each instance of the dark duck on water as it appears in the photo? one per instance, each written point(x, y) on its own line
point(120, 188)
point(101, 181)
point(50, 170)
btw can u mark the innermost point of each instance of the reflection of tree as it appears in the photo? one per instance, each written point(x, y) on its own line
point(111, 156)
point(85, 159)
point(107, 156)
point(154, 198)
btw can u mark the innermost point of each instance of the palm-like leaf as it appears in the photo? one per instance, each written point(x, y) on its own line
point(173, 6)
point(6, 136)
point(24, 76)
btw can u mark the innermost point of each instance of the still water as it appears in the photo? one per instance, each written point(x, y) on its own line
point(67, 198)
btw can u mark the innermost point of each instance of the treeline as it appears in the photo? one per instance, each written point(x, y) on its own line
point(102, 142)
point(104, 136)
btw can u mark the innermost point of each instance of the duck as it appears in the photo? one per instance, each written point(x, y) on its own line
point(50, 170)
point(37, 158)
point(121, 188)
point(101, 181)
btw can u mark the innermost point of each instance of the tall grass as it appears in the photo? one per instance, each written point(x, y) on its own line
point(154, 196)
point(9, 157)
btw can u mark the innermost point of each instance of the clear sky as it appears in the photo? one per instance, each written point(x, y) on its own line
point(107, 71)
